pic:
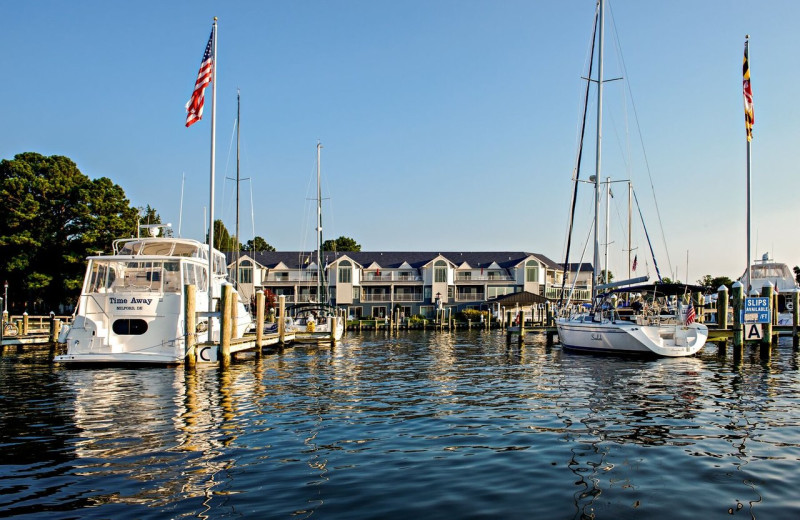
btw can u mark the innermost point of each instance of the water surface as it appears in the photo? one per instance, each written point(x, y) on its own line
point(418, 425)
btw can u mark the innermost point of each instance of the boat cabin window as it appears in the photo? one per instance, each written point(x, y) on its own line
point(194, 274)
point(116, 276)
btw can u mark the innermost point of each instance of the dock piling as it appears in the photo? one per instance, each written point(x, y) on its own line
point(259, 321)
point(190, 323)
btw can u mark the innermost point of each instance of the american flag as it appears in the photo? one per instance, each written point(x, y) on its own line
point(194, 107)
point(690, 315)
point(749, 115)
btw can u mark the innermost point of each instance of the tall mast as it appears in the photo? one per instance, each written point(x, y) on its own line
point(749, 138)
point(211, 194)
point(320, 284)
point(598, 150)
point(238, 124)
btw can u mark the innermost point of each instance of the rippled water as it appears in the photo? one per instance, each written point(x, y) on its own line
point(421, 425)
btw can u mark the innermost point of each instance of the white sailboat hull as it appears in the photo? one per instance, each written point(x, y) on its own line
point(627, 337)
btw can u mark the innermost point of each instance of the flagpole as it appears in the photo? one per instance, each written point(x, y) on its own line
point(749, 138)
point(211, 194)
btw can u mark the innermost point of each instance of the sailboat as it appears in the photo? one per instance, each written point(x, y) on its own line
point(314, 321)
point(604, 330)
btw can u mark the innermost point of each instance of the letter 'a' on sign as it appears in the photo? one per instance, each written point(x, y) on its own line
point(753, 332)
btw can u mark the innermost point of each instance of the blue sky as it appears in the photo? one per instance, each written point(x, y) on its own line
point(446, 125)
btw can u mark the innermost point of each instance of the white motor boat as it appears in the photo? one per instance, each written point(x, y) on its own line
point(132, 309)
point(782, 279)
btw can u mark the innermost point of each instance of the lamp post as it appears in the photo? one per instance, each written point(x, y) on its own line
point(5, 297)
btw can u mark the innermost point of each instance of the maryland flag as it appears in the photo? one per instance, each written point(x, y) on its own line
point(749, 117)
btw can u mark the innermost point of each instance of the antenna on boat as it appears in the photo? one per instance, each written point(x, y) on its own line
point(180, 211)
point(154, 229)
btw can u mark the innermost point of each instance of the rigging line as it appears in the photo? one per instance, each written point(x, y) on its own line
point(225, 175)
point(583, 255)
point(578, 164)
point(647, 235)
point(644, 152)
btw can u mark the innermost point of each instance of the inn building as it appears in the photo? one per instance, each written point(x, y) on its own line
point(374, 284)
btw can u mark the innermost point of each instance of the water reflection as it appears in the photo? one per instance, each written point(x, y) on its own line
point(418, 424)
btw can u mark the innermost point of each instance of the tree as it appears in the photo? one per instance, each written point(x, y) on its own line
point(715, 282)
point(258, 244)
point(601, 277)
point(149, 216)
point(341, 244)
point(55, 216)
point(223, 240)
point(796, 274)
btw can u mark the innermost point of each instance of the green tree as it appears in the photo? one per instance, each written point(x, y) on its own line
point(149, 216)
point(601, 278)
point(715, 282)
point(341, 244)
point(797, 274)
point(258, 244)
point(55, 216)
point(223, 240)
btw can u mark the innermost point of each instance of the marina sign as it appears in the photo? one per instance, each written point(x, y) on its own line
point(756, 310)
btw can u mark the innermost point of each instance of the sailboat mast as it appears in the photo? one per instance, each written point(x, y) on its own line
point(598, 150)
point(238, 124)
point(320, 284)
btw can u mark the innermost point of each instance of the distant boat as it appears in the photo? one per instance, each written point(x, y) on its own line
point(131, 309)
point(649, 330)
point(782, 279)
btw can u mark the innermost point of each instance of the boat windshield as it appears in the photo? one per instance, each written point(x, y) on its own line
point(161, 247)
point(117, 276)
point(771, 271)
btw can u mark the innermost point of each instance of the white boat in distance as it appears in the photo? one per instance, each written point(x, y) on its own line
point(132, 310)
point(603, 330)
point(782, 279)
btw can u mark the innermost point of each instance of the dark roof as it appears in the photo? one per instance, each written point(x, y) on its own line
point(520, 298)
point(394, 259)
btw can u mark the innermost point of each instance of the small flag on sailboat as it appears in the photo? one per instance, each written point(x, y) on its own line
point(635, 262)
point(749, 115)
point(194, 107)
point(690, 315)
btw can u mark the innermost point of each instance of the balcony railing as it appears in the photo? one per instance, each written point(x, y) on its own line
point(390, 277)
point(483, 278)
point(471, 297)
point(376, 297)
point(292, 277)
point(553, 293)
point(408, 297)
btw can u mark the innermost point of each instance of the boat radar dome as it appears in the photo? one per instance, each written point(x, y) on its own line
point(155, 229)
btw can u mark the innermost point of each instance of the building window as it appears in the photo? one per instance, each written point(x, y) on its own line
point(345, 272)
point(356, 293)
point(450, 292)
point(245, 271)
point(440, 272)
point(531, 271)
point(379, 312)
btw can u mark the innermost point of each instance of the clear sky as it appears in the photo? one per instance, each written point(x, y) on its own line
point(446, 125)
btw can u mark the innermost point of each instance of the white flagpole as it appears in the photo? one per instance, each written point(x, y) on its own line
point(749, 280)
point(211, 195)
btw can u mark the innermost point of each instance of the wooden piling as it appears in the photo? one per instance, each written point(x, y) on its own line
point(767, 291)
point(190, 323)
point(795, 315)
point(722, 307)
point(24, 330)
point(282, 320)
point(334, 325)
point(225, 334)
point(737, 295)
point(259, 321)
point(55, 327)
